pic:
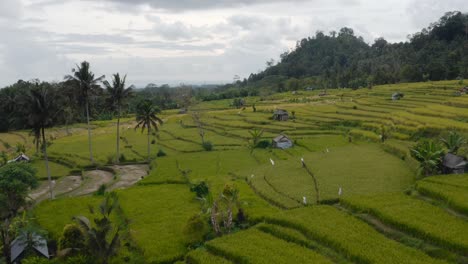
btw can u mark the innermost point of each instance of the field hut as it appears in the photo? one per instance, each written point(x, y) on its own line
point(20, 245)
point(21, 157)
point(280, 115)
point(454, 164)
point(397, 96)
point(282, 142)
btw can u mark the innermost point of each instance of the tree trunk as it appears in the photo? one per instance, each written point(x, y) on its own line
point(89, 133)
point(117, 159)
point(46, 159)
point(149, 145)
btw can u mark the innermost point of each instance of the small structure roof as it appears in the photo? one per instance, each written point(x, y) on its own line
point(280, 112)
point(453, 161)
point(281, 138)
point(20, 157)
point(19, 245)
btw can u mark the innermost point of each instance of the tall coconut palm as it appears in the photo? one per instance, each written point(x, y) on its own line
point(146, 118)
point(118, 93)
point(87, 82)
point(41, 108)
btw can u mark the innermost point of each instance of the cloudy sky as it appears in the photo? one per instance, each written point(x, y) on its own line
point(190, 41)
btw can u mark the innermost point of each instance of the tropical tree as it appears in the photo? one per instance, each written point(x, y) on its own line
point(16, 179)
point(118, 93)
point(429, 154)
point(454, 142)
point(146, 119)
point(102, 238)
point(256, 136)
point(41, 107)
point(86, 81)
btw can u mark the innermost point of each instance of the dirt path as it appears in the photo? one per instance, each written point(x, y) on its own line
point(61, 186)
point(70, 186)
point(128, 175)
point(92, 181)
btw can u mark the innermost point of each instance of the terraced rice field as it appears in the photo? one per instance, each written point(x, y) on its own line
point(339, 138)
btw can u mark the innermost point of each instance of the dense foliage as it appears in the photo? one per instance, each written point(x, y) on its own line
point(342, 59)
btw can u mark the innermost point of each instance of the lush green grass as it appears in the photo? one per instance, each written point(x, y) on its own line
point(354, 239)
point(158, 214)
point(254, 246)
point(56, 170)
point(416, 217)
point(447, 190)
point(356, 168)
point(202, 256)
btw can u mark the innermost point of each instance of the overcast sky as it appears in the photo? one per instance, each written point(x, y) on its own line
point(190, 41)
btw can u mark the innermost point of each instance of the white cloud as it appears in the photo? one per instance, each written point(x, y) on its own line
point(187, 40)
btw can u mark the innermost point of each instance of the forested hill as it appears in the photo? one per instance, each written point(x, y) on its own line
point(342, 59)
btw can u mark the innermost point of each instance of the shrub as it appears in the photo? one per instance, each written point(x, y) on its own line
point(161, 153)
point(72, 237)
point(122, 158)
point(195, 230)
point(153, 141)
point(263, 144)
point(102, 190)
point(207, 145)
point(201, 189)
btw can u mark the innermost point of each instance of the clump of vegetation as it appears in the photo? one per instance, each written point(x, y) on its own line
point(222, 211)
point(102, 239)
point(263, 144)
point(200, 189)
point(429, 154)
point(161, 153)
point(72, 238)
point(454, 142)
point(195, 230)
point(101, 190)
point(207, 145)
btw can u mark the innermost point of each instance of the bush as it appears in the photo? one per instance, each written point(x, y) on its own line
point(161, 153)
point(207, 145)
point(153, 141)
point(195, 230)
point(122, 158)
point(263, 144)
point(102, 190)
point(72, 237)
point(201, 189)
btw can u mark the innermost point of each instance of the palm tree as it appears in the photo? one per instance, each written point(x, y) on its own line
point(41, 108)
point(86, 81)
point(453, 142)
point(256, 136)
point(429, 154)
point(118, 93)
point(146, 118)
point(103, 238)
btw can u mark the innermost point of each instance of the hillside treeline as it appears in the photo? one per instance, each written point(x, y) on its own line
point(342, 59)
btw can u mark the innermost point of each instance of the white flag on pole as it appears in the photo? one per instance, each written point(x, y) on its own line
point(340, 191)
point(304, 200)
point(272, 162)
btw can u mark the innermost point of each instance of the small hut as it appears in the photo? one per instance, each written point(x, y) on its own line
point(280, 115)
point(21, 157)
point(282, 142)
point(20, 245)
point(397, 96)
point(453, 164)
